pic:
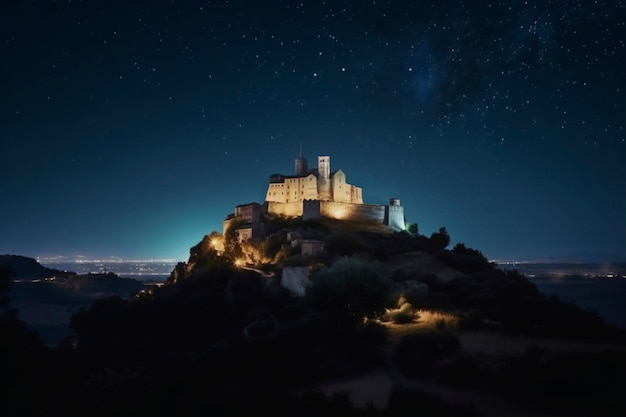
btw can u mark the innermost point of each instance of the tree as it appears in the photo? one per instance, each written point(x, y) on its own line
point(440, 240)
point(351, 287)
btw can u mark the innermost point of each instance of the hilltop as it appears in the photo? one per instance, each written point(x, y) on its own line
point(27, 268)
point(392, 323)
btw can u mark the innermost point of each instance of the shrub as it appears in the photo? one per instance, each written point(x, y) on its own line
point(402, 315)
point(466, 260)
point(351, 286)
point(439, 240)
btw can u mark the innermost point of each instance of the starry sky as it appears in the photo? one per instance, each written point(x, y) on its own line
point(131, 129)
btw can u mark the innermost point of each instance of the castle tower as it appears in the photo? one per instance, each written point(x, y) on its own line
point(394, 215)
point(323, 166)
point(301, 166)
point(323, 182)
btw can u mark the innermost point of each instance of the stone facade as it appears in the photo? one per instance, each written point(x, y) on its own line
point(309, 247)
point(249, 213)
point(394, 215)
point(391, 215)
point(311, 194)
point(315, 184)
point(250, 231)
point(249, 216)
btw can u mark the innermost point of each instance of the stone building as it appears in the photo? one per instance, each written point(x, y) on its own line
point(314, 193)
point(315, 184)
point(309, 247)
point(248, 218)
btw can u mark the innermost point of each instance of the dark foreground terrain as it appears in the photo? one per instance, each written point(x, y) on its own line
point(392, 324)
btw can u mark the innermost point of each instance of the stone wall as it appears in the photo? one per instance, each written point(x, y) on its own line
point(290, 189)
point(311, 209)
point(250, 231)
point(394, 217)
point(350, 211)
point(293, 209)
point(312, 186)
point(249, 213)
point(391, 215)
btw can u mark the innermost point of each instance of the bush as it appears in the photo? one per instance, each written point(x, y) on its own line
point(439, 240)
point(402, 315)
point(351, 286)
point(466, 260)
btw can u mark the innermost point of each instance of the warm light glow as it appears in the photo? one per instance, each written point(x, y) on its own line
point(217, 244)
point(423, 320)
point(238, 263)
point(432, 318)
point(339, 212)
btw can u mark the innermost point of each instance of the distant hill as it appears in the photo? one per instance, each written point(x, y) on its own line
point(27, 268)
point(99, 285)
point(47, 305)
point(579, 257)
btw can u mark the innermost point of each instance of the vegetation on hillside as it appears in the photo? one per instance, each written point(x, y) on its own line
point(220, 339)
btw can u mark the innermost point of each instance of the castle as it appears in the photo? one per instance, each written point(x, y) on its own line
point(311, 194)
point(316, 184)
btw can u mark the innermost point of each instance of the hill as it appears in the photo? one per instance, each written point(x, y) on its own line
point(27, 268)
point(391, 324)
point(45, 299)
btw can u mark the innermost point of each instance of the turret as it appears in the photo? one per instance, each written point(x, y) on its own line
point(323, 167)
point(323, 181)
point(301, 166)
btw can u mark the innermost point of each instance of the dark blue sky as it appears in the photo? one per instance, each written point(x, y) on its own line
point(131, 130)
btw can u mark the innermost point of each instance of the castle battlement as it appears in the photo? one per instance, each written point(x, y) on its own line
point(318, 192)
point(315, 193)
point(314, 184)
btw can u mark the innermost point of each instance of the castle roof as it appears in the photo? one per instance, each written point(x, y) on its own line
point(248, 204)
point(276, 178)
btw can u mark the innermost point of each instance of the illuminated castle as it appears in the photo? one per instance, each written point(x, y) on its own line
point(311, 194)
point(315, 184)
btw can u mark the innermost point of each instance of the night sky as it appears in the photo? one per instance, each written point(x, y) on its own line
point(132, 130)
